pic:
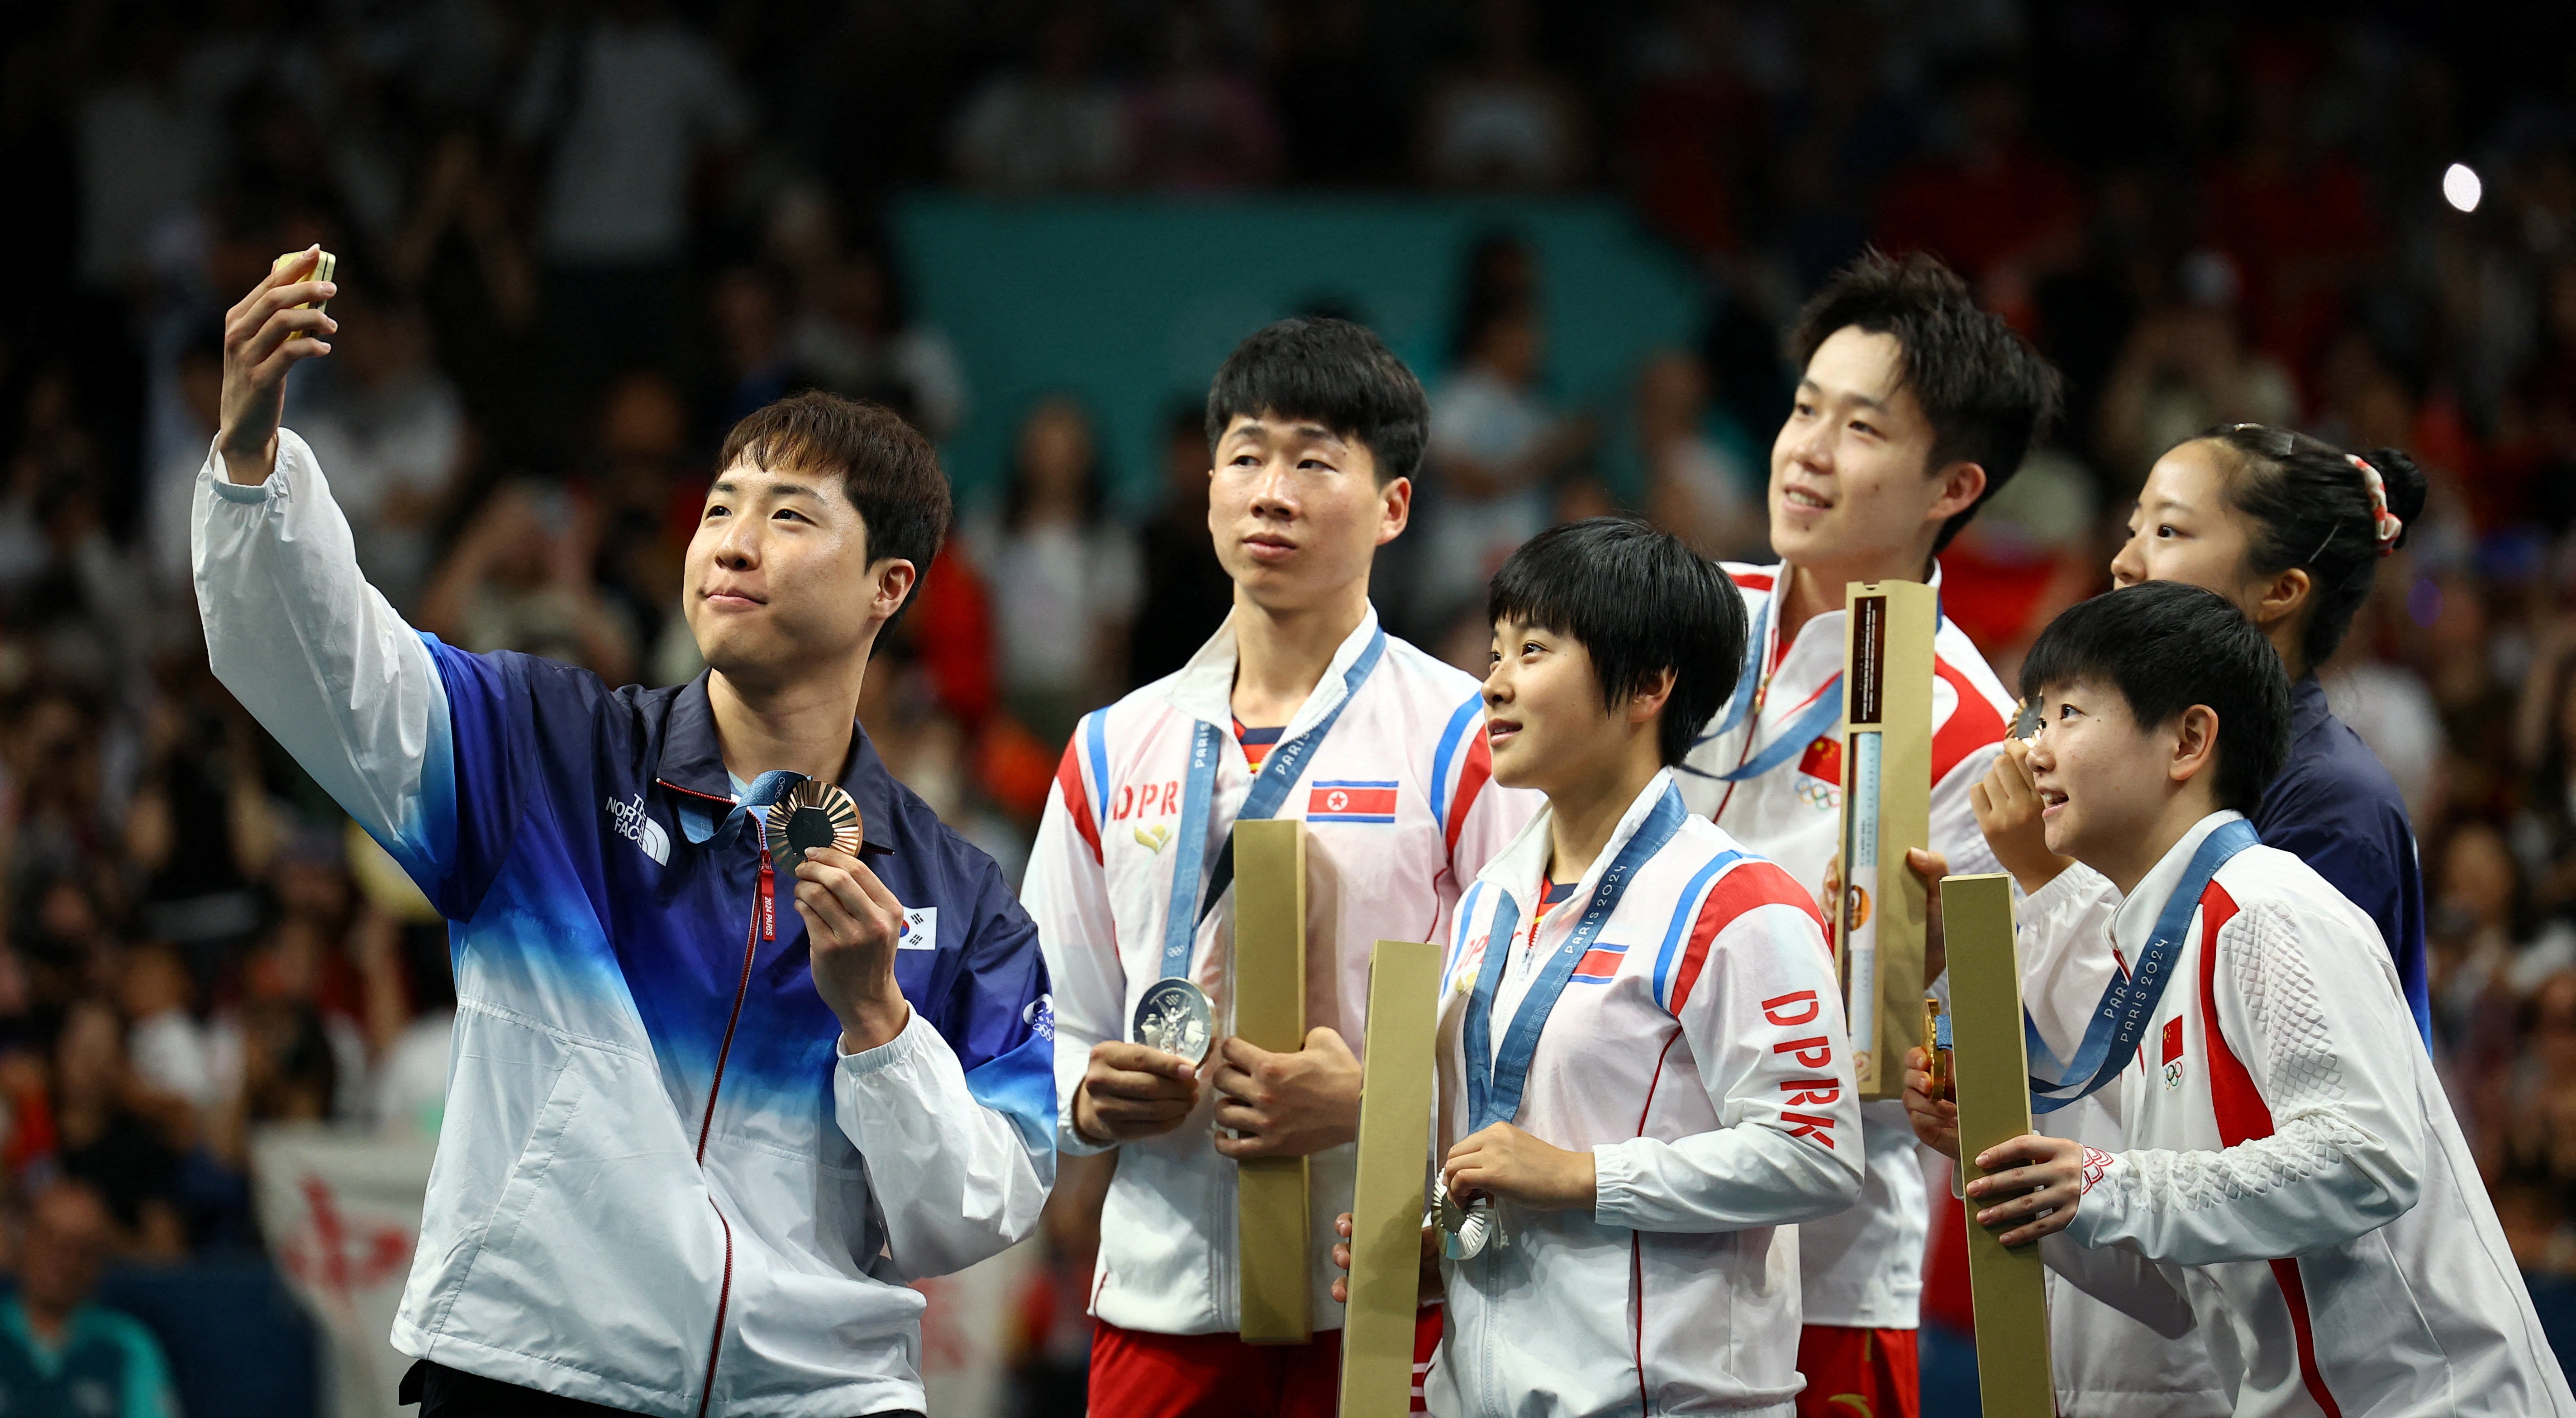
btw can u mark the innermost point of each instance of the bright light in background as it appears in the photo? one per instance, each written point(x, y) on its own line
point(2461, 188)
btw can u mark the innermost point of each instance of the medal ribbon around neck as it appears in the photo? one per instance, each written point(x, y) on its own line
point(1816, 721)
point(1279, 773)
point(2129, 1005)
point(1494, 1083)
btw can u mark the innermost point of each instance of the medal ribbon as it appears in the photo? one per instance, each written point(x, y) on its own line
point(2129, 1005)
point(1494, 1082)
point(1818, 719)
point(1279, 773)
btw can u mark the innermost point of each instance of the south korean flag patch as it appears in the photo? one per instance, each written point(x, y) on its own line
point(2173, 1052)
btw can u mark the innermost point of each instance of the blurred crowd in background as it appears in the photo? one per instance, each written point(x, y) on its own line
point(577, 240)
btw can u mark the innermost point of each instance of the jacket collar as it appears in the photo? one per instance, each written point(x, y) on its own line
point(2308, 710)
point(1826, 622)
point(1519, 867)
point(2135, 921)
point(692, 767)
point(1204, 688)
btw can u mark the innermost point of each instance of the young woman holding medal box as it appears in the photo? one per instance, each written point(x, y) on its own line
point(1644, 1077)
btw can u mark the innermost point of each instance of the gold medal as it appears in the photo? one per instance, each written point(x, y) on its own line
point(812, 814)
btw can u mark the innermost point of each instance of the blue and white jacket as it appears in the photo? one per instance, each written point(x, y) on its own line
point(659, 1186)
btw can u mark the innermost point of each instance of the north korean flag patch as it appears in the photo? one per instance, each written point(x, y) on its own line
point(1346, 801)
point(2173, 1052)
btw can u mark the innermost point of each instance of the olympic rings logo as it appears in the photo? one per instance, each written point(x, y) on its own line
point(1817, 793)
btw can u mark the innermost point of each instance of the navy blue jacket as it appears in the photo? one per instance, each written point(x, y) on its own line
point(2335, 808)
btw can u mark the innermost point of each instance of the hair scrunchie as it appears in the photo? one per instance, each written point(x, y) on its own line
point(2386, 526)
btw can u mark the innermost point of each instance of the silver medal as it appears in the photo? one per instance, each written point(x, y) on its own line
point(1175, 1017)
point(1464, 1229)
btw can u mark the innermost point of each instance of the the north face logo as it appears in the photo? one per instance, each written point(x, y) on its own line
point(629, 821)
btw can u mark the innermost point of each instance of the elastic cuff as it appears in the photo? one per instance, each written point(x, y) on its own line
point(1614, 1178)
point(886, 1055)
point(2076, 881)
point(246, 493)
point(1070, 1141)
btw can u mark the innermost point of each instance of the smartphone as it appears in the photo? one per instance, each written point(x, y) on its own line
point(323, 270)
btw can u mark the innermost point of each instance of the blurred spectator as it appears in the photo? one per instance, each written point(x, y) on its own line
point(1836, 140)
point(2186, 369)
point(184, 409)
point(105, 1140)
point(1064, 572)
point(520, 579)
point(748, 310)
point(1696, 487)
point(853, 336)
point(1505, 120)
point(61, 1354)
point(1052, 127)
point(2296, 215)
point(146, 148)
point(646, 494)
point(1199, 127)
point(621, 109)
point(1494, 445)
point(1335, 99)
point(1186, 593)
point(2545, 742)
point(390, 427)
point(1693, 133)
point(2001, 212)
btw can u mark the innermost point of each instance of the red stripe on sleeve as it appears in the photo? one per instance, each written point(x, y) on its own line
point(2242, 1117)
point(1745, 886)
point(1472, 777)
point(1077, 799)
point(1974, 723)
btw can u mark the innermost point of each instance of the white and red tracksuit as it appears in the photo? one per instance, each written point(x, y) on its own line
point(1401, 813)
point(1863, 1267)
point(1698, 1051)
point(2294, 1185)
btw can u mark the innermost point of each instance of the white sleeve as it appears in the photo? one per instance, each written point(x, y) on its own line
point(2124, 1280)
point(959, 1181)
point(2063, 931)
point(1955, 833)
point(316, 654)
point(1764, 1022)
point(2345, 1151)
point(1067, 894)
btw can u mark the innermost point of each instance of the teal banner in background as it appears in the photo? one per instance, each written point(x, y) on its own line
point(1130, 304)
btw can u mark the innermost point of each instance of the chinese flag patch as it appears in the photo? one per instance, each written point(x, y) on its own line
point(2173, 1052)
point(1824, 759)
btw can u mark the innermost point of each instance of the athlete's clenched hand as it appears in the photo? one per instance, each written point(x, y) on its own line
point(264, 335)
point(851, 924)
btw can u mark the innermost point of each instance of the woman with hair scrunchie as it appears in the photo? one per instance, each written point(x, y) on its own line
point(2291, 529)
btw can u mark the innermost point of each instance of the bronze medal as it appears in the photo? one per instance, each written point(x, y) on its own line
point(812, 814)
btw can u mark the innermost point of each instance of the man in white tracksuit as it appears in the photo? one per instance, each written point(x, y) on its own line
point(1300, 706)
point(1914, 406)
point(2293, 1184)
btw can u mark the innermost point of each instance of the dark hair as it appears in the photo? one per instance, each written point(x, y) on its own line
point(1642, 603)
point(887, 470)
point(1987, 393)
point(2311, 509)
point(1340, 375)
point(2166, 646)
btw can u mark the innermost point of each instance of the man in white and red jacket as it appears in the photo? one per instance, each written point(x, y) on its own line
point(1913, 408)
point(1300, 706)
point(2293, 1184)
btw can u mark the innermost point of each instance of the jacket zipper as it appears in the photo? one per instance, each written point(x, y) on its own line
point(764, 926)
